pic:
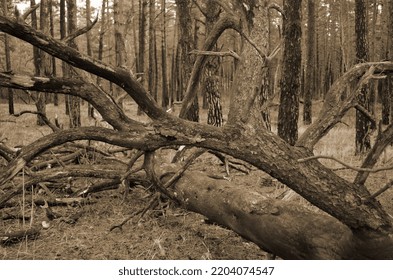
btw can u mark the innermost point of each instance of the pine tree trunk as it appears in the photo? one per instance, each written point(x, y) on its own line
point(165, 96)
point(74, 102)
point(8, 65)
point(141, 39)
point(288, 113)
point(120, 47)
point(152, 46)
point(52, 33)
point(212, 92)
point(63, 34)
point(390, 57)
point(90, 109)
point(186, 43)
point(363, 125)
point(309, 80)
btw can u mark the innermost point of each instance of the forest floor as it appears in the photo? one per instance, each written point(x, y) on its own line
point(168, 233)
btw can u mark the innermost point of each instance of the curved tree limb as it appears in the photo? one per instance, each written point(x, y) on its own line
point(223, 24)
point(80, 31)
point(43, 116)
point(118, 75)
point(383, 140)
point(368, 170)
point(334, 108)
point(110, 111)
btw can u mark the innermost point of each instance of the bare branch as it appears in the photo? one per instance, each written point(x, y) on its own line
point(211, 53)
point(200, 8)
point(43, 116)
point(253, 44)
point(29, 11)
point(383, 140)
point(149, 165)
point(382, 190)
point(335, 107)
point(371, 170)
point(90, 92)
point(187, 164)
point(120, 76)
point(366, 113)
point(80, 31)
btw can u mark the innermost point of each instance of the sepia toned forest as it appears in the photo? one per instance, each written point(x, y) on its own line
point(271, 119)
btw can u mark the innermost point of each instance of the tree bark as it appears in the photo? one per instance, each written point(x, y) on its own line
point(309, 81)
point(211, 86)
point(90, 109)
point(152, 51)
point(363, 126)
point(8, 66)
point(142, 44)
point(165, 102)
point(74, 102)
point(187, 61)
point(288, 112)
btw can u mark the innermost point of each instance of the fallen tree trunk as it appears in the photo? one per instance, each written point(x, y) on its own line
point(285, 228)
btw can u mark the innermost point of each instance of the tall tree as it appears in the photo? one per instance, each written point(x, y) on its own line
point(390, 56)
point(8, 66)
point(186, 43)
point(74, 102)
point(120, 46)
point(63, 34)
point(363, 124)
point(384, 84)
point(44, 61)
point(52, 33)
point(90, 109)
point(142, 43)
point(309, 80)
point(152, 87)
point(288, 112)
point(212, 92)
point(165, 96)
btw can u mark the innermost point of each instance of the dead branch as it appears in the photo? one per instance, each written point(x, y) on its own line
point(43, 116)
point(29, 11)
point(211, 53)
point(202, 10)
point(59, 160)
point(359, 169)
point(383, 140)
point(6, 152)
point(186, 164)
point(149, 166)
point(80, 31)
point(87, 91)
point(382, 190)
point(18, 236)
point(151, 205)
point(54, 174)
point(117, 75)
point(253, 44)
point(367, 114)
point(335, 107)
